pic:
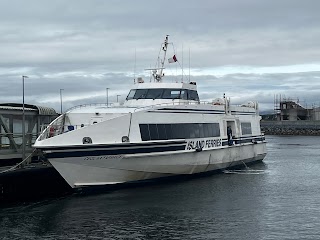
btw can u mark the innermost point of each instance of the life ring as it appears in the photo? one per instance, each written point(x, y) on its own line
point(51, 131)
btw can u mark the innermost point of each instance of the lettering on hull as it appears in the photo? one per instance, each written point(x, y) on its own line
point(95, 158)
point(203, 144)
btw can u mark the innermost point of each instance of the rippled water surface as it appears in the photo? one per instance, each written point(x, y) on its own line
point(282, 202)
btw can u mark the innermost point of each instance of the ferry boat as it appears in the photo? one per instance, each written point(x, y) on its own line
point(161, 130)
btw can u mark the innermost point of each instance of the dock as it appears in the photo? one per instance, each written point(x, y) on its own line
point(32, 182)
point(13, 116)
point(23, 175)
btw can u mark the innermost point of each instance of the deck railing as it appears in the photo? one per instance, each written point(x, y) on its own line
point(137, 108)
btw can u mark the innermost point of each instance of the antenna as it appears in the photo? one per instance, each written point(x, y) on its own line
point(189, 64)
point(158, 75)
point(164, 48)
point(182, 63)
point(135, 62)
point(150, 73)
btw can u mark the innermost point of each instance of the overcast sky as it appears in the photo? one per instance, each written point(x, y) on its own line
point(248, 49)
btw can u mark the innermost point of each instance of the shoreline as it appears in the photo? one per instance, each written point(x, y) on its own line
point(305, 128)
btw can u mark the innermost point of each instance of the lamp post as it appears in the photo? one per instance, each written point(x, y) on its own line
point(107, 90)
point(61, 100)
point(118, 98)
point(23, 122)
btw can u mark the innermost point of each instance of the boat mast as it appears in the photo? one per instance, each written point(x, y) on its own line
point(157, 72)
point(164, 48)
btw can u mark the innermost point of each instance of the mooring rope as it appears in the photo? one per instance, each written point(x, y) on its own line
point(20, 163)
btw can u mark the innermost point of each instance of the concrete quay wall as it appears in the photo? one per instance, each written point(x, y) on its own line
point(291, 127)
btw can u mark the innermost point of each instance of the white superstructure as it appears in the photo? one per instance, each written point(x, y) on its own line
point(161, 130)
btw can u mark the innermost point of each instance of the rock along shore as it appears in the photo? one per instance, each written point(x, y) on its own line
point(291, 127)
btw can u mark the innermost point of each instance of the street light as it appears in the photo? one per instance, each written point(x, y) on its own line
point(117, 97)
point(107, 89)
point(61, 99)
point(23, 122)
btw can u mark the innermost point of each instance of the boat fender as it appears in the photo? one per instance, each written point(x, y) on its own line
point(198, 149)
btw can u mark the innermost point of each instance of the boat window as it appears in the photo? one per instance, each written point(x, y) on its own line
point(162, 131)
point(140, 94)
point(184, 94)
point(193, 95)
point(167, 93)
point(163, 94)
point(154, 93)
point(144, 130)
point(201, 130)
point(246, 128)
point(169, 131)
point(175, 94)
point(215, 129)
point(206, 129)
point(196, 130)
point(191, 133)
point(131, 94)
point(153, 132)
point(178, 131)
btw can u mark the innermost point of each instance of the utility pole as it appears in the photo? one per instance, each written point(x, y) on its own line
point(107, 90)
point(61, 100)
point(23, 122)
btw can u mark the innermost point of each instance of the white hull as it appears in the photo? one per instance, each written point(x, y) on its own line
point(107, 169)
point(161, 130)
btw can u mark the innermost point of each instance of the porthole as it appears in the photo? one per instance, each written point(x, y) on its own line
point(86, 140)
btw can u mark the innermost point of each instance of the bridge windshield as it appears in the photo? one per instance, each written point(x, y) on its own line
point(158, 93)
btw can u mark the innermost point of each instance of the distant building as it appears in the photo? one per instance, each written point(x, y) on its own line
point(315, 113)
point(289, 110)
point(293, 111)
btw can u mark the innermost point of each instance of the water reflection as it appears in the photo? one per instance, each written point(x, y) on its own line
point(279, 204)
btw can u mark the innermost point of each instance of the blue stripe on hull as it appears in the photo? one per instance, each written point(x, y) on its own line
point(118, 145)
point(135, 148)
point(81, 153)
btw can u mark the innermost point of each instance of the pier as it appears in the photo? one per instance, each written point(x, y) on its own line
point(12, 135)
point(302, 127)
point(22, 174)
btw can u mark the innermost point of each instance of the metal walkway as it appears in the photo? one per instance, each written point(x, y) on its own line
point(11, 129)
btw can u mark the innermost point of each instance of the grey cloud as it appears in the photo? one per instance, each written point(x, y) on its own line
point(86, 46)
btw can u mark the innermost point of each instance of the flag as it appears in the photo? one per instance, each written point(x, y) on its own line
point(173, 59)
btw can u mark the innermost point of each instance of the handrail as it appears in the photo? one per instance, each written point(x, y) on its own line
point(147, 106)
point(86, 105)
point(94, 104)
point(17, 135)
point(122, 106)
point(173, 103)
point(57, 122)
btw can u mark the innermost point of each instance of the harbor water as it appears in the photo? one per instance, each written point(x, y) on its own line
point(281, 201)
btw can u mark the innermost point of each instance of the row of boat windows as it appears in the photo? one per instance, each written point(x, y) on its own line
point(178, 131)
point(246, 128)
point(159, 93)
